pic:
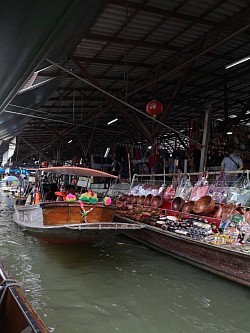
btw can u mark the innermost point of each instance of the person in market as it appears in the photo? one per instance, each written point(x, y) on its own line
point(106, 181)
point(232, 162)
point(115, 168)
point(50, 195)
point(69, 189)
point(154, 162)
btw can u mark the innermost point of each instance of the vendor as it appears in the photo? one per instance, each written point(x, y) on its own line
point(69, 189)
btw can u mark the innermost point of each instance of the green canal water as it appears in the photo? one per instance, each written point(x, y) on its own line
point(120, 286)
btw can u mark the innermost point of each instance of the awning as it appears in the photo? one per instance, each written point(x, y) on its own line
point(11, 122)
point(77, 171)
point(32, 31)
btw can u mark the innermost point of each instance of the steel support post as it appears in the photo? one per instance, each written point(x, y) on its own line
point(205, 138)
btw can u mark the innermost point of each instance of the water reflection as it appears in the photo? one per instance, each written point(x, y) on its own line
point(119, 287)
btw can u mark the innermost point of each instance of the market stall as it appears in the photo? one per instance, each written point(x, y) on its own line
point(205, 224)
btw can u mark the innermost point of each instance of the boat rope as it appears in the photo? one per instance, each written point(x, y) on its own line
point(5, 284)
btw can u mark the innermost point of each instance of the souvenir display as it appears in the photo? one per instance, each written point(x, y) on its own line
point(169, 193)
point(219, 189)
point(185, 188)
point(239, 193)
point(200, 189)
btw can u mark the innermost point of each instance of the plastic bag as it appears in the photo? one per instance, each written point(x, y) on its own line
point(169, 193)
point(184, 189)
point(219, 190)
point(200, 189)
point(239, 193)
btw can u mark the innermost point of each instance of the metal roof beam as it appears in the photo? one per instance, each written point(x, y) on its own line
point(132, 42)
point(98, 77)
point(35, 149)
point(131, 116)
point(112, 62)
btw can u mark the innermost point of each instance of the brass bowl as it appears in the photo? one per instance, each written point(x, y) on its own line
point(156, 201)
point(123, 197)
point(204, 206)
point(147, 201)
point(137, 209)
point(177, 204)
point(133, 199)
point(119, 204)
point(188, 207)
point(141, 199)
point(129, 206)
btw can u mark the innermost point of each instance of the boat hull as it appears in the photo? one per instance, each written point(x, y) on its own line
point(63, 223)
point(227, 263)
point(58, 213)
point(16, 313)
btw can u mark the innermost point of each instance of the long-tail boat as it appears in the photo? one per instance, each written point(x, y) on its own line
point(70, 222)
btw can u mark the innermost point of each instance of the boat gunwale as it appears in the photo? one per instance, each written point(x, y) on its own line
point(77, 203)
point(33, 319)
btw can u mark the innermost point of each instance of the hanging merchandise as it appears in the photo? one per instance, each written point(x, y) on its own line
point(239, 193)
point(200, 189)
point(154, 108)
point(136, 153)
point(219, 190)
point(184, 189)
point(169, 193)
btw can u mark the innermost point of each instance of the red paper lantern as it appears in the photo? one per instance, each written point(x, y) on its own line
point(154, 108)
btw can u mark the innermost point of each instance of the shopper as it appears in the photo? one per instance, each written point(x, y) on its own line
point(116, 168)
point(232, 162)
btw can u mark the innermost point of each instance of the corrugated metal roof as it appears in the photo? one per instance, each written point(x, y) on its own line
point(169, 49)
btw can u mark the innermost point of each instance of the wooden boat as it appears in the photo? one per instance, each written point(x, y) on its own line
point(223, 261)
point(63, 222)
point(16, 313)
